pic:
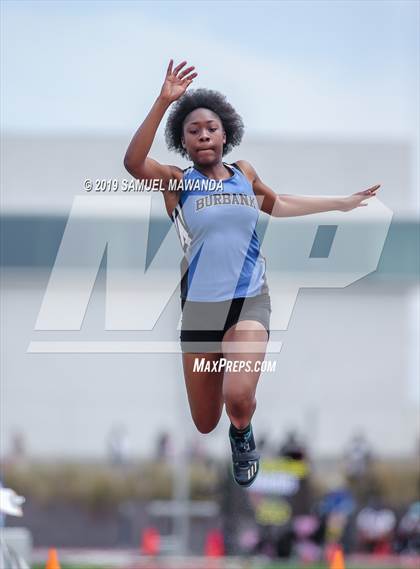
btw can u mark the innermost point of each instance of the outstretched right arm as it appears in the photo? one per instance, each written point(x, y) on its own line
point(136, 159)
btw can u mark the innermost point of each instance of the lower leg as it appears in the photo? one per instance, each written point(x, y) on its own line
point(239, 387)
point(239, 390)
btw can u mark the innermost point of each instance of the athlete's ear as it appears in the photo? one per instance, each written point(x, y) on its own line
point(183, 142)
point(224, 137)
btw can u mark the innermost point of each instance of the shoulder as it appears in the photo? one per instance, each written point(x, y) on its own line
point(248, 170)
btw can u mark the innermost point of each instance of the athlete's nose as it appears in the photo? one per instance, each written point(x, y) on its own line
point(204, 136)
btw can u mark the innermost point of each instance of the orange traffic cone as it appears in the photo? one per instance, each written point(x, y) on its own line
point(214, 544)
point(52, 561)
point(337, 561)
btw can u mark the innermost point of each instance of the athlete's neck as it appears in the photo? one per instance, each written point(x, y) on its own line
point(214, 171)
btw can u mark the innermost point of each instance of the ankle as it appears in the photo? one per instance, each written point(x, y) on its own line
point(242, 431)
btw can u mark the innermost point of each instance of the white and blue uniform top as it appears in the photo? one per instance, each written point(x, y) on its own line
point(216, 228)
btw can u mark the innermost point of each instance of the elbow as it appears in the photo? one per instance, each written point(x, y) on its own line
point(128, 163)
point(278, 208)
point(132, 167)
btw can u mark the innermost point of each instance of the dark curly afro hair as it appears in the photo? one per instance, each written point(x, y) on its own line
point(208, 99)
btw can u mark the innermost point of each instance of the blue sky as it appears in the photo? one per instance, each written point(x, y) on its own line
point(332, 68)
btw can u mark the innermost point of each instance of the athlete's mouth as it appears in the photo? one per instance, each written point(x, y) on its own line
point(204, 149)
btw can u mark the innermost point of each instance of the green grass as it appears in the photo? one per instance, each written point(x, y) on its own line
point(324, 566)
point(269, 566)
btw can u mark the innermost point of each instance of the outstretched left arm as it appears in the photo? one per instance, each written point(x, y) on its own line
point(286, 205)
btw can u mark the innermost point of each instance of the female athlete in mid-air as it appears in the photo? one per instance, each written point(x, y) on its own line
point(225, 297)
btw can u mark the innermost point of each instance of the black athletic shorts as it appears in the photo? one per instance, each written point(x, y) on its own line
point(205, 323)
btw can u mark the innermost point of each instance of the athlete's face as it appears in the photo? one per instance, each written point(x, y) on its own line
point(203, 137)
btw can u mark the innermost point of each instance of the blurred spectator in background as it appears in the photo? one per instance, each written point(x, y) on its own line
point(164, 447)
point(358, 468)
point(375, 527)
point(2, 516)
point(118, 445)
point(408, 532)
point(334, 511)
point(11, 505)
point(292, 447)
point(358, 457)
point(305, 529)
point(17, 451)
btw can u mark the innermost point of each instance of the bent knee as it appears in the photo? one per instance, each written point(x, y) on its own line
point(205, 428)
point(239, 403)
point(238, 396)
point(206, 424)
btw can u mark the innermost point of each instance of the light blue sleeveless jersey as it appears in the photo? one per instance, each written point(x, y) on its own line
point(216, 228)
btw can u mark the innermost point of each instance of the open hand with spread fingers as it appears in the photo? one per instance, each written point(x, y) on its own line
point(176, 81)
point(356, 200)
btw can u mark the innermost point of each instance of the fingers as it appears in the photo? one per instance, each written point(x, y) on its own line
point(186, 76)
point(369, 193)
point(169, 70)
point(191, 77)
point(185, 72)
point(179, 67)
point(369, 190)
point(372, 189)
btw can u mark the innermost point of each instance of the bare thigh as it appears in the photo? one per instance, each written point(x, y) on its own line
point(205, 391)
